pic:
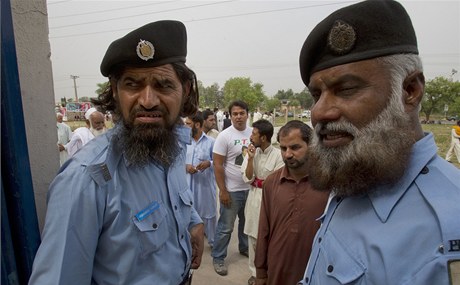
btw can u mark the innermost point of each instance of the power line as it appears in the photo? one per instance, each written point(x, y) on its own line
point(59, 2)
point(110, 10)
point(205, 19)
point(144, 14)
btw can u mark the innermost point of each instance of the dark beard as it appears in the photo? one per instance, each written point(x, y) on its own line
point(144, 143)
point(378, 155)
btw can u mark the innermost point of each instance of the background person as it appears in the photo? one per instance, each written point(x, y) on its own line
point(233, 192)
point(128, 216)
point(455, 143)
point(95, 126)
point(64, 135)
point(262, 159)
point(209, 124)
point(289, 212)
point(394, 215)
point(200, 175)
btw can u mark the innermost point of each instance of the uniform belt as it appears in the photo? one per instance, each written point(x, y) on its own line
point(257, 183)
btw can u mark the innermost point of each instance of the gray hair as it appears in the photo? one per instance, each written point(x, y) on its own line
point(400, 66)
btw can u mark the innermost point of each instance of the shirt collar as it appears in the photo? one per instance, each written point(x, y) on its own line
point(203, 136)
point(267, 150)
point(385, 197)
point(183, 134)
point(286, 176)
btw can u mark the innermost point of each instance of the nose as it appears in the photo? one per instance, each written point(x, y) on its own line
point(288, 153)
point(326, 109)
point(148, 98)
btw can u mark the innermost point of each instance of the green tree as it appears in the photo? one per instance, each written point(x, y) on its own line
point(271, 104)
point(241, 88)
point(304, 98)
point(208, 95)
point(101, 87)
point(439, 92)
point(285, 95)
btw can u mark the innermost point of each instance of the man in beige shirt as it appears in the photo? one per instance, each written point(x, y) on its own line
point(209, 124)
point(261, 160)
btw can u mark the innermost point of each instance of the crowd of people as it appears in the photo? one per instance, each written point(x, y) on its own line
point(362, 198)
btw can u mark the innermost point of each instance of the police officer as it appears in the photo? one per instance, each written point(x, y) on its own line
point(394, 217)
point(121, 211)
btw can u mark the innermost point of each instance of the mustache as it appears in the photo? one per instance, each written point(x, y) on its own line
point(155, 111)
point(342, 126)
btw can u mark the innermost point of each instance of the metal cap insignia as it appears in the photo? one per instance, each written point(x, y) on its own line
point(341, 38)
point(145, 50)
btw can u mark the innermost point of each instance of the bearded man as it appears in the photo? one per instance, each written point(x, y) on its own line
point(95, 126)
point(127, 217)
point(394, 215)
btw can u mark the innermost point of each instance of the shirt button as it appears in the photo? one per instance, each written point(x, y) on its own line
point(306, 280)
point(330, 268)
point(155, 226)
point(319, 240)
point(425, 170)
point(182, 236)
point(175, 207)
point(191, 202)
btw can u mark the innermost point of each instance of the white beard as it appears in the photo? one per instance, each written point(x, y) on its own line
point(97, 133)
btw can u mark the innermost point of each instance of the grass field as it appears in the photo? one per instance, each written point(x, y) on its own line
point(442, 133)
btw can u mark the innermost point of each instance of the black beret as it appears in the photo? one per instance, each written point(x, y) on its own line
point(358, 32)
point(154, 44)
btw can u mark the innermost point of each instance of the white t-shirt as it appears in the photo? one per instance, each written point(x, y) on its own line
point(230, 143)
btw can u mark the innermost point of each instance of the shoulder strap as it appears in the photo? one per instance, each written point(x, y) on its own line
point(102, 172)
point(444, 197)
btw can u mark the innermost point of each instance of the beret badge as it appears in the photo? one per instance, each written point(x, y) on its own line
point(341, 38)
point(145, 50)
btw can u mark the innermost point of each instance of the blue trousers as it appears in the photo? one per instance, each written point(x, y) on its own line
point(226, 223)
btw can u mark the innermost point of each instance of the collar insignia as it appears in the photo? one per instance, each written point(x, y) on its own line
point(341, 38)
point(145, 50)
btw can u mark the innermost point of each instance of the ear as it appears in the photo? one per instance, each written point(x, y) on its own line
point(113, 85)
point(414, 87)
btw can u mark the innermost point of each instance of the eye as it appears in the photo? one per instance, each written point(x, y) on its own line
point(315, 95)
point(346, 90)
point(130, 83)
point(166, 85)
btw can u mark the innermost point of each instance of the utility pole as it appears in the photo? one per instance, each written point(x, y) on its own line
point(74, 77)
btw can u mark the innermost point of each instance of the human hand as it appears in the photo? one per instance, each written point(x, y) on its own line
point(225, 198)
point(197, 240)
point(251, 150)
point(203, 165)
point(190, 169)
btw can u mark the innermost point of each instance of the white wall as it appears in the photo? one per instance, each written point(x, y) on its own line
point(30, 20)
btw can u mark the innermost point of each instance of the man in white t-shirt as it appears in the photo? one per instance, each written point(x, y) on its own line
point(228, 153)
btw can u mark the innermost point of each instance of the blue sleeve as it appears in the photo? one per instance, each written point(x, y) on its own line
point(72, 227)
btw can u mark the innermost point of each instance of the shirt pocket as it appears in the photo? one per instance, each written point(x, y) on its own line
point(186, 199)
point(339, 264)
point(202, 155)
point(152, 229)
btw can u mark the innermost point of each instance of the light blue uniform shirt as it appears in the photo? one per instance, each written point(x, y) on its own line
point(202, 183)
point(401, 234)
point(110, 223)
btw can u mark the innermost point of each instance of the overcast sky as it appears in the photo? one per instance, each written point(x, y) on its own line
point(256, 39)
